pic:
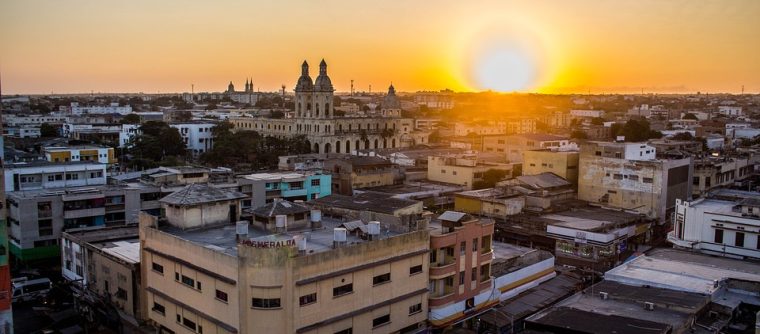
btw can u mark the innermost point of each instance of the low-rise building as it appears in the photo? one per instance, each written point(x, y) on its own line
point(561, 162)
point(47, 175)
point(234, 279)
point(105, 263)
point(462, 169)
point(198, 136)
point(629, 176)
point(263, 188)
point(719, 227)
point(398, 213)
point(354, 172)
point(101, 154)
point(513, 146)
point(199, 205)
point(712, 172)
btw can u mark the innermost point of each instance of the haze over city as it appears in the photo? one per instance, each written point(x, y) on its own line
point(540, 46)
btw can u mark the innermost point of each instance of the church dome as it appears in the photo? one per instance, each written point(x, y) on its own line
point(304, 82)
point(323, 82)
point(391, 101)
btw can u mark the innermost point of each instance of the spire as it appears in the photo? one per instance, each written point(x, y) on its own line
point(305, 68)
point(323, 67)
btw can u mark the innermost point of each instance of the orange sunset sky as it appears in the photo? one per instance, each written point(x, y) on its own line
point(529, 46)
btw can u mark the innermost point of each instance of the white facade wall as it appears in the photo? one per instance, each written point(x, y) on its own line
point(638, 151)
point(198, 136)
point(47, 176)
point(114, 108)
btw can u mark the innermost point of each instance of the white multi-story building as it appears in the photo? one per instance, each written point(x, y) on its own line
point(46, 175)
point(587, 113)
point(715, 226)
point(113, 108)
point(22, 132)
point(197, 136)
point(730, 111)
point(18, 120)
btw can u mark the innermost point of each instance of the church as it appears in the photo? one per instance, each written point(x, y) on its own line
point(314, 117)
point(246, 96)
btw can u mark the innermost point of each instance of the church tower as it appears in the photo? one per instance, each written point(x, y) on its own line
point(230, 88)
point(304, 91)
point(323, 93)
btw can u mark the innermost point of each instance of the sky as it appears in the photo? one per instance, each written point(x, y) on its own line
point(562, 46)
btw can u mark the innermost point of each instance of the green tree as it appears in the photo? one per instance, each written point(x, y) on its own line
point(183, 115)
point(211, 106)
point(47, 130)
point(682, 136)
point(690, 116)
point(578, 134)
point(635, 131)
point(156, 143)
point(597, 121)
point(490, 178)
point(131, 119)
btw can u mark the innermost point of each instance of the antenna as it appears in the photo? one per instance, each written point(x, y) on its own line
point(352, 87)
point(370, 89)
point(742, 89)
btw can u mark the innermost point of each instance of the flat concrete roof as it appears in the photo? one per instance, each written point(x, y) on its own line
point(683, 271)
point(223, 238)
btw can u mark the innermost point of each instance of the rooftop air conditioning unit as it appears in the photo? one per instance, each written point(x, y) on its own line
point(649, 306)
point(604, 295)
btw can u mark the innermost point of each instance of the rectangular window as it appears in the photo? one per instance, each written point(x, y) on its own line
point(415, 269)
point(382, 320)
point(315, 182)
point(45, 227)
point(648, 180)
point(718, 237)
point(485, 272)
point(221, 295)
point(461, 278)
point(462, 248)
point(474, 274)
point(343, 290)
point(308, 299)
point(433, 256)
point(380, 279)
point(188, 323)
point(188, 281)
point(416, 308)
point(346, 331)
point(265, 302)
point(158, 268)
point(739, 239)
point(475, 245)
point(159, 308)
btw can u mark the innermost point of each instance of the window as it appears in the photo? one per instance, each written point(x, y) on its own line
point(189, 324)
point(343, 290)
point(618, 177)
point(45, 227)
point(718, 236)
point(648, 180)
point(739, 239)
point(443, 171)
point(382, 320)
point(315, 182)
point(265, 302)
point(462, 248)
point(474, 274)
point(475, 245)
point(433, 256)
point(308, 299)
point(198, 285)
point(461, 278)
point(415, 269)
point(416, 308)
point(380, 279)
point(188, 281)
point(221, 295)
point(159, 308)
point(485, 272)
point(121, 294)
point(158, 268)
point(346, 331)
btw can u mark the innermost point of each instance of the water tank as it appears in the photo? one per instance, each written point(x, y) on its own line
point(339, 234)
point(316, 216)
point(280, 221)
point(300, 242)
point(373, 228)
point(241, 228)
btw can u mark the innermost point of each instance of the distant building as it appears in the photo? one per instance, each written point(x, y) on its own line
point(113, 108)
point(354, 172)
point(463, 170)
point(435, 100)
point(101, 154)
point(45, 175)
point(198, 137)
point(629, 176)
point(513, 146)
point(563, 163)
point(263, 188)
point(730, 111)
point(577, 113)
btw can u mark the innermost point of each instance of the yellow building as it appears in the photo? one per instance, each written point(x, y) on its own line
point(232, 279)
point(101, 154)
point(491, 202)
point(463, 170)
point(562, 163)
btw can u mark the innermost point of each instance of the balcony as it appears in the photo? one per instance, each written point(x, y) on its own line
point(84, 212)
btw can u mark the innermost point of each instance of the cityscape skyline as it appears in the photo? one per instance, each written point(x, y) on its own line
point(135, 47)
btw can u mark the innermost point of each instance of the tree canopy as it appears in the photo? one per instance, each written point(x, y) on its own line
point(157, 143)
point(635, 131)
point(250, 148)
point(490, 178)
point(131, 119)
point(47, 130)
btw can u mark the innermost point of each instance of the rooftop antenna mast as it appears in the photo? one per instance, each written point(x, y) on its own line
point(352, 87)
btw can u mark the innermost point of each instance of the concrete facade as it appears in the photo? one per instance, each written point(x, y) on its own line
point(562, 163)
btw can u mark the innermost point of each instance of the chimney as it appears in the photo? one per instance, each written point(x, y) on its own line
point(281, 223)
point(373, 229)
point(339, 237)
point(316, 219)
point(241, 230)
